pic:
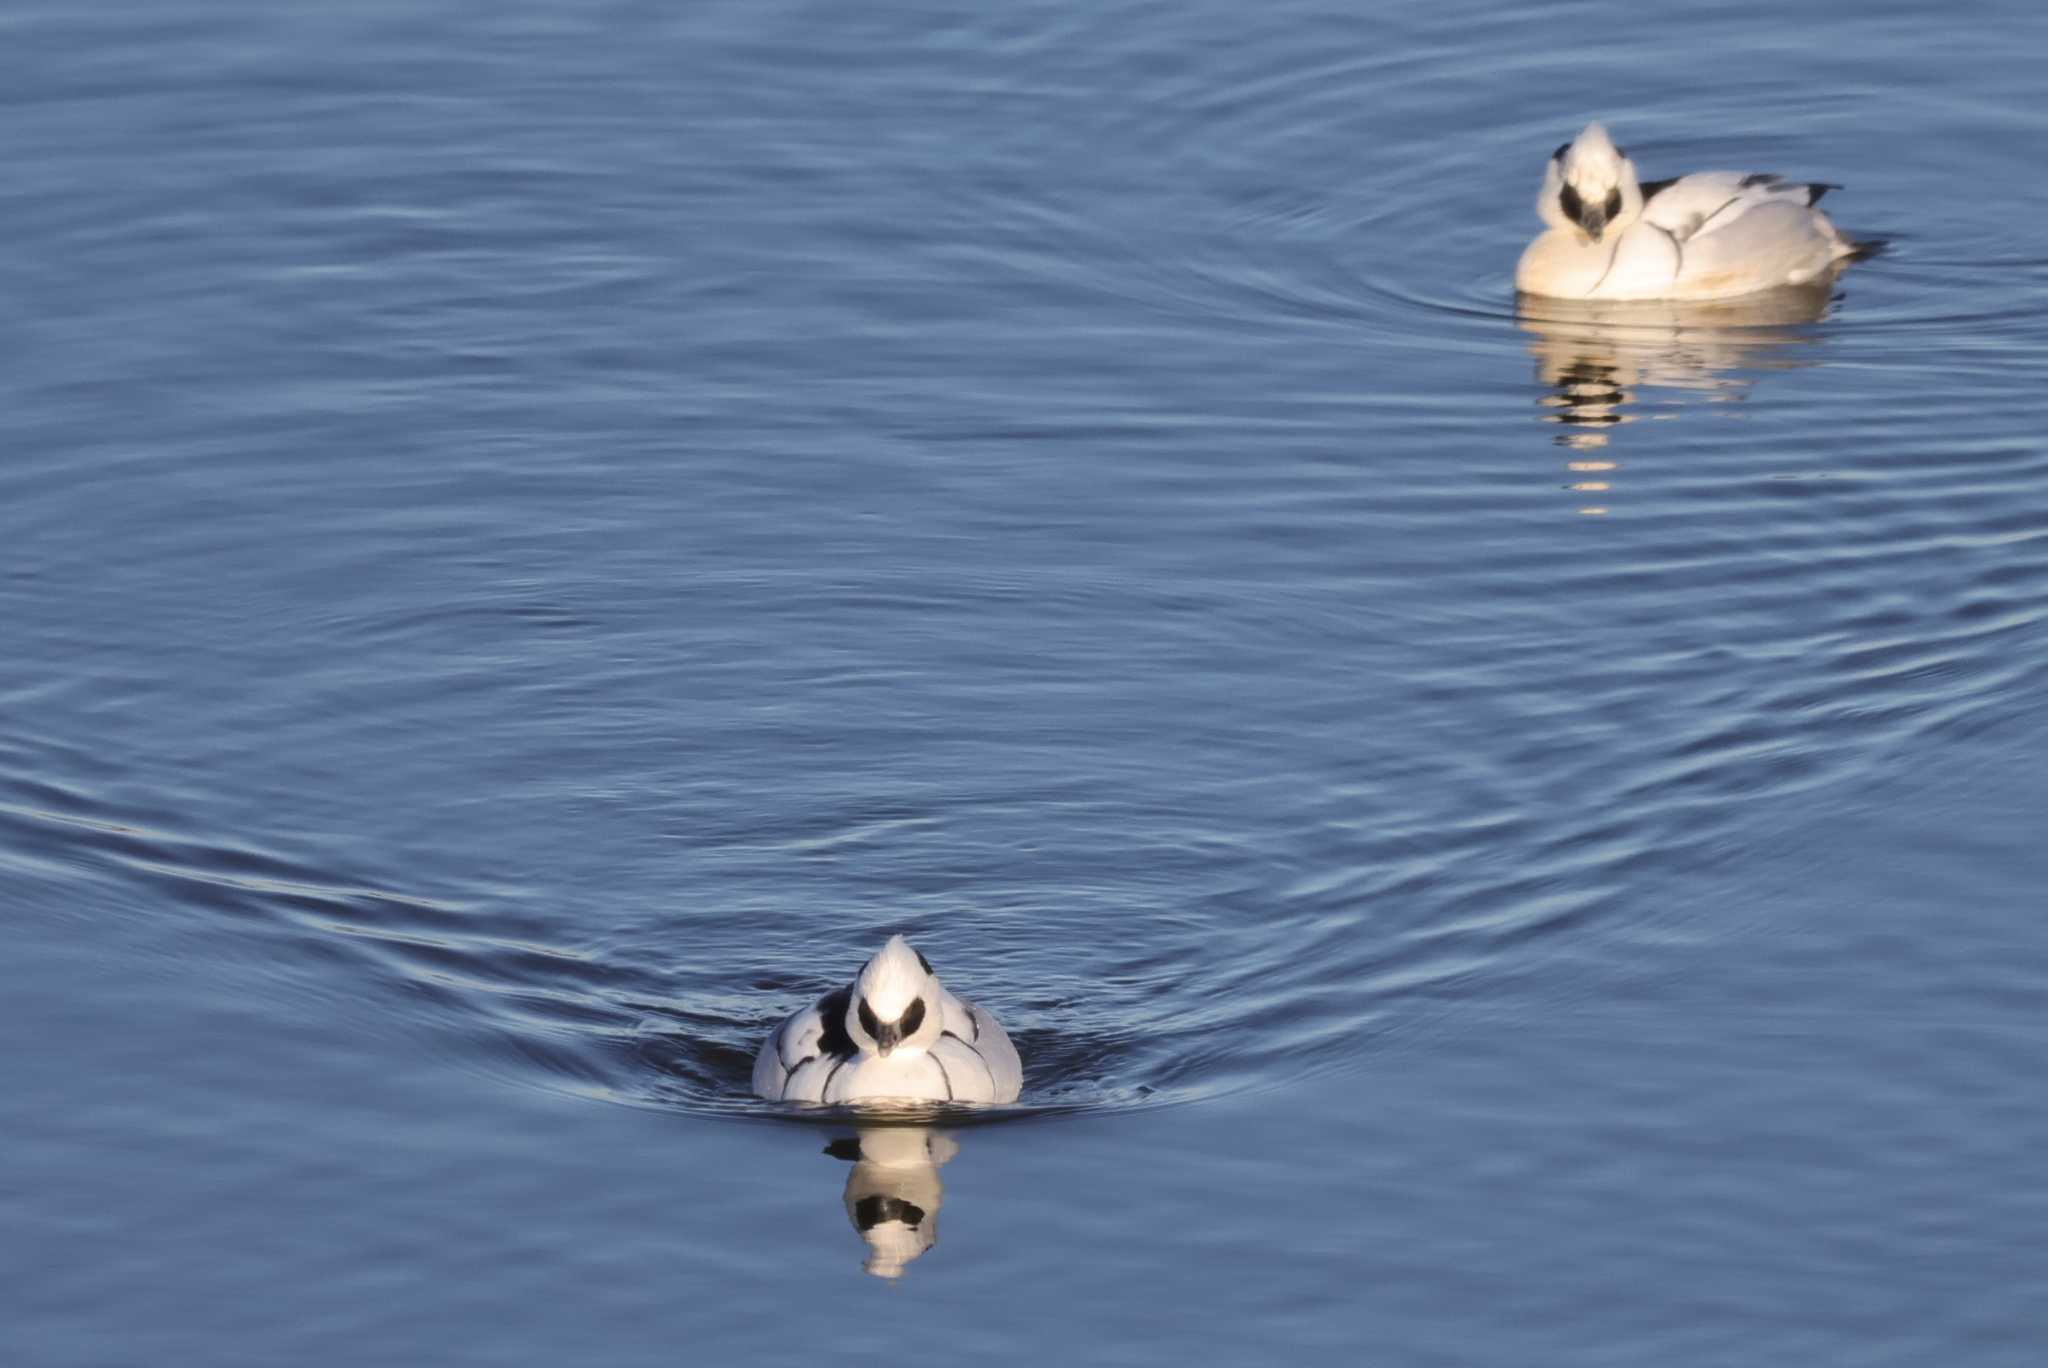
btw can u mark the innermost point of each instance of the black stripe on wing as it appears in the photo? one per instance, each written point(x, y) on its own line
point(986, 1068)
point(1814, 189)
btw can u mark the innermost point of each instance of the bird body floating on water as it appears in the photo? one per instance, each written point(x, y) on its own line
point(1710, 235)
point(892, 1035)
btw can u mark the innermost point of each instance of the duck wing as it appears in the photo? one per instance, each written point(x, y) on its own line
point(817, 1033)
point(1001, 1057)
point(1713, 201)
point(971, 1030)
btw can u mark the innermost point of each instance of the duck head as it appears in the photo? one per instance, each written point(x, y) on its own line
point(1590, 187)
point(895, 1002)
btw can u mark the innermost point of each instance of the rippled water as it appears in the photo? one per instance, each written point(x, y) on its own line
point(532, 537)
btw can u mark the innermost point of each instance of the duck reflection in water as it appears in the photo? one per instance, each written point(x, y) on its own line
point(893, 1193)
point(1595, 358)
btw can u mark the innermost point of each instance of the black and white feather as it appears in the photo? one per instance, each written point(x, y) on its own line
point(892, 1035)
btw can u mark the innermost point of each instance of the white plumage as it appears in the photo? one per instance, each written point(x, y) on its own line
point(1710, 235)
point(892, 1035)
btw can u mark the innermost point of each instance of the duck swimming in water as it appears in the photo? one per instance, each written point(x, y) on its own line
point(892, 1035)
point(1710, 235)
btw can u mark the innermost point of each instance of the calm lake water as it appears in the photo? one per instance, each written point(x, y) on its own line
point(532, 536)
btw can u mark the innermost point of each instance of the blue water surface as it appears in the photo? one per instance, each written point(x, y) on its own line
point(532, 536)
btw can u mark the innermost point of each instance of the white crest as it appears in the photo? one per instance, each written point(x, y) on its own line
point(1593, 163)
point(892, 979)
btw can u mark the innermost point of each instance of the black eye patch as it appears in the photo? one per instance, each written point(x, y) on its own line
point(867, 1019)
point(1568, 198)
point(1614, 202)
point(913, 1016)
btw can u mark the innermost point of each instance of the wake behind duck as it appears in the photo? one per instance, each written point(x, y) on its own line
point(1710, 235)
point(892, 1035)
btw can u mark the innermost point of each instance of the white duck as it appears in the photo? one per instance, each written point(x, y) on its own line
point(1710, 235)
point(892, 1035)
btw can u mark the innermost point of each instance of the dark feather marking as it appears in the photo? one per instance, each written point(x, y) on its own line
point(783, 1043)
point(1760, 178)
point(1697, 227)
point(1562, 148)
point(922, 960)
point(1815, 189)
point(845, 1147)
point(1677, 246)
point(946, 1077)
point(832, 1013)
point(826, 1086)
point(1652, 189)
point(1612, 253)
point(986, 1068)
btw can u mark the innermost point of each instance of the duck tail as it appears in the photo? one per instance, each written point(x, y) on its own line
point(1863, 249)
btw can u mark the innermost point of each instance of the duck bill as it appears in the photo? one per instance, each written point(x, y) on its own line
point(1593, 219)
point(888, 1038)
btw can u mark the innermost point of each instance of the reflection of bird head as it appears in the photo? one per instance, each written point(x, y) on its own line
point(896, 1231)
point(893, 1194)
point(895, 1002)
point(1590, 187)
